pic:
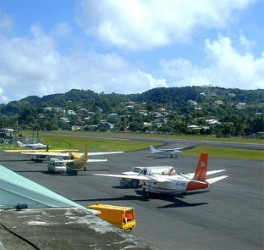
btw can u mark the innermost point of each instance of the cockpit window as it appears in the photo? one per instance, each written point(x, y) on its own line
point(137, 170)
point(59, 164)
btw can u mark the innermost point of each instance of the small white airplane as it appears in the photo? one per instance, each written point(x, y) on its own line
point(32, 145)
point(178, 183)
point(128, 182)
point(169, 152)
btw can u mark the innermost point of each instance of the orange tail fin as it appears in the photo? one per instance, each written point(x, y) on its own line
point(201, 169)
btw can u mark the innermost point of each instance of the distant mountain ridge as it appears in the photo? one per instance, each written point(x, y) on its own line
point(173, 96)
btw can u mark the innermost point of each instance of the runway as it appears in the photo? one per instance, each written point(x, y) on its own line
point(229, 215)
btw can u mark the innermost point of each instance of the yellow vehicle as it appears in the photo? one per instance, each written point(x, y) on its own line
point(122, 217)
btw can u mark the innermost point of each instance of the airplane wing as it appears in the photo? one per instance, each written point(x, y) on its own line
point(104, 153)
point(65, 154)
point(43, 151)
point(137, 177)
point(59, 154)
point(129, 173)
point(96, 160)
point(157, 178)
point(215, 179)
point(191, 175)
point(89, 160)
point(185, 148)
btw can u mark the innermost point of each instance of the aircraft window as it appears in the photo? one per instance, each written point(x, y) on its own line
point(58, 164)
point(137, 170)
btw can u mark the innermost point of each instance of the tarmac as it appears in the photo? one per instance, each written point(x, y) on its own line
point(229, 215)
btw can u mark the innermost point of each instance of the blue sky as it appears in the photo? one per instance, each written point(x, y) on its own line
point(128, 46)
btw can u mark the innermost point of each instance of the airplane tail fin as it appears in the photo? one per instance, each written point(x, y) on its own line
point(201, 169)
point(152, 149)
point(199, 179)
point(215, 179)
point(20, 144)
point(85, 154)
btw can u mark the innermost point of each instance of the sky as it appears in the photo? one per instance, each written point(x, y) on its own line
point(128, 46)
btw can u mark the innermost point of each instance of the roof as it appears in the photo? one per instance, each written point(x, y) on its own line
point(16, 189)
point(107, 206)
point(62, 228)
point(33, 216)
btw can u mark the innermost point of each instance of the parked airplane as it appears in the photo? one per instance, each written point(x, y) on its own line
point(46, 155)
point(169, 152)
point(32, 145)
point(73, 165)
point(128, 182)
point(176, 183)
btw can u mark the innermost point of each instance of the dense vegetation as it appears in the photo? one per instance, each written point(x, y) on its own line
point(185, 110)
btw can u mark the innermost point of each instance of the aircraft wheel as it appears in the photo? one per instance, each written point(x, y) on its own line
point(75, 172)
point(149, 195)
point(134, 183)
point(71, 172)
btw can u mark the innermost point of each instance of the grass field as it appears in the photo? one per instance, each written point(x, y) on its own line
point(74, 140)
point(183, 137)
point(220, 152)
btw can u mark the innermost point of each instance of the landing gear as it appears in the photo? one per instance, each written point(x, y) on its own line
point(134, 183)
point(70, 171)
point(148, 194)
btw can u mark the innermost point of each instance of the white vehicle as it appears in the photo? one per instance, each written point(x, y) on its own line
point(56, 165)
point(134, 183)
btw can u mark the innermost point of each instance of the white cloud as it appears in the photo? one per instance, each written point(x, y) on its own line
point(34, 67)
point(54, 62)
point(246, 43)
point(226, 68)
point(6, 22)
point(144, 24)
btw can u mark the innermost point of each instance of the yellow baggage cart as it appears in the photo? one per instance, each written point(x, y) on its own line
point(122, 217)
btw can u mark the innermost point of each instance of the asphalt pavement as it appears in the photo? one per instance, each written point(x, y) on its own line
point(229, 215)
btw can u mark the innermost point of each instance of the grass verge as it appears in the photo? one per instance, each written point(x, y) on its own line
point(76, 141)
point(220, 152)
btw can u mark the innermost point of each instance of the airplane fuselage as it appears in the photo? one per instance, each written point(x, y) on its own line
point(165, 187)
point(173, 186)
point(169, 152)
point(172, 153)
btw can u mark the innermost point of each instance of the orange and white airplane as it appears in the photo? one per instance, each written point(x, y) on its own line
point(178, 183)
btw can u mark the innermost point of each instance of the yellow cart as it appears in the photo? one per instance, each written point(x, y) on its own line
point(122, 217)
